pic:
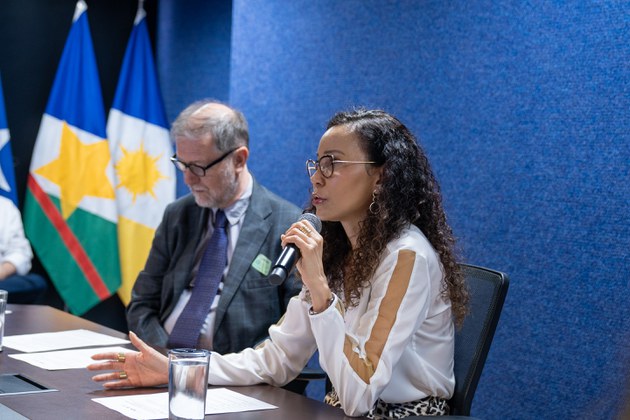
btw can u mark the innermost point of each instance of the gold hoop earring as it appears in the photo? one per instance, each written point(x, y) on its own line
point(374, 208)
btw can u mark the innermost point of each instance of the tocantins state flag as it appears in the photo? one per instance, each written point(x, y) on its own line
point(70, 212)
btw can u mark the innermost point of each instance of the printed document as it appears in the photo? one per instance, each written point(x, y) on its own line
point(65, 359)
point(155, 406)
point(60, 340)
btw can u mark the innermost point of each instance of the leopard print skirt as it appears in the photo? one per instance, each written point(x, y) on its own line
point(428, 406)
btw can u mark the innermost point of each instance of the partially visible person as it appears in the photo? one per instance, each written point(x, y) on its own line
point(382, 289)
point(15, 258)
point(212, 143)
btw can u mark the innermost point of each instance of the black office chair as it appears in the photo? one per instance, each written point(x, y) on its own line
point(488, 289)
point(315, 374)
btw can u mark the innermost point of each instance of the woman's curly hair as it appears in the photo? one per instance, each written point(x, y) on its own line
point(408, 193)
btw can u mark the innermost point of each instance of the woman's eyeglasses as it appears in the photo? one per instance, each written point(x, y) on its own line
point(326, 165)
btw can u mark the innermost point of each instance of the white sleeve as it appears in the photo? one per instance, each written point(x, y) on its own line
point(360, 360)
point(14, 247)
point(277, 360)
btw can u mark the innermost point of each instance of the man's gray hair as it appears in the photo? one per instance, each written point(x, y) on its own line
point(228, 130)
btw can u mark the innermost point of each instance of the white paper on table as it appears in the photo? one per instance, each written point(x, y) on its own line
point(60, 340)
point(155, 406)
point(65, 359)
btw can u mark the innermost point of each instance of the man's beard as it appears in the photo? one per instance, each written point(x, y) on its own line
point(222, 198)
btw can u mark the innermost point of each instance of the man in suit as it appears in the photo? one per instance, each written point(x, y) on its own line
point(212, 151)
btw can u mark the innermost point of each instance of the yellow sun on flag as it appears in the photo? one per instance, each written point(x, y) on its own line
point(138, 172)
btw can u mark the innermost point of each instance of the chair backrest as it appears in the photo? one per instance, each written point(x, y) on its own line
point(488, 289)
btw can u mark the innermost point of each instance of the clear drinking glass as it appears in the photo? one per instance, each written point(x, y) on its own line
point(187, 383)
point(4, 295)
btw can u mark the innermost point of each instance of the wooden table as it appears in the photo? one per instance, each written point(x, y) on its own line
point(73, 400)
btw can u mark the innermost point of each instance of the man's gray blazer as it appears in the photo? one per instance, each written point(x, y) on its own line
point(248, 303)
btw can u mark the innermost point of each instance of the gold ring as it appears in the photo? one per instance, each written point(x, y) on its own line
point(122, 375)
point(121, 357)
point(305, 230)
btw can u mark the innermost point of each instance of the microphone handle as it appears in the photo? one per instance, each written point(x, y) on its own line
point(280, 271)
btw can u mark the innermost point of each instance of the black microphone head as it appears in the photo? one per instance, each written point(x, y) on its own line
point(313, 220)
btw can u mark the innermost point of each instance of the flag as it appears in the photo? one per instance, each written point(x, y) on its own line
point(140, 145)
point(70, 212)
point(7, 173)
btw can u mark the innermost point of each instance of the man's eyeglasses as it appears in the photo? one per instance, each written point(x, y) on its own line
point(196, 169)
point(326, 165)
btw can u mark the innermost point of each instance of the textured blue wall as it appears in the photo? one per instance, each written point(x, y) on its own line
point(193, 51)
point(523, 108)
point(193, 54)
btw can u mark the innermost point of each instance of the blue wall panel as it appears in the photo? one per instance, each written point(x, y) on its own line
point(193, 51)
point(193, 54)
point(522, 108)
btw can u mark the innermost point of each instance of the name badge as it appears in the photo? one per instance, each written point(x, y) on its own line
point(262, 264)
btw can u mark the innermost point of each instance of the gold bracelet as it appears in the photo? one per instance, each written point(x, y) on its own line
point(328, 303)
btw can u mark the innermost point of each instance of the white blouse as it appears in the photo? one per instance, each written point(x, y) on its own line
point(397, 344)
point(14, 247)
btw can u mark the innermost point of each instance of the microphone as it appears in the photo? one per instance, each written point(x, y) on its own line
point(291, 254)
